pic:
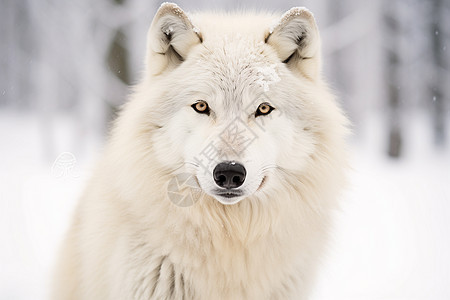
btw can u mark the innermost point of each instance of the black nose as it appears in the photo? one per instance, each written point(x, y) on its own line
point(229, 174)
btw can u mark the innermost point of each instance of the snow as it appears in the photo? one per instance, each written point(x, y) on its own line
point(391, 239)
point(168, 30)
point(392, 236)
point(173, 7)
point(267, 75)
point(36, 202)
point(295, 11)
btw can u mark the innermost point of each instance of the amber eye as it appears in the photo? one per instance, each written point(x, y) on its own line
point(263, 109)
point(201, 107)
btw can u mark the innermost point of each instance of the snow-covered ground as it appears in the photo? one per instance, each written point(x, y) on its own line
point(391, 239)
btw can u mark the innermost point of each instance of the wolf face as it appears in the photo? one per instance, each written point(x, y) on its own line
point(236, 110)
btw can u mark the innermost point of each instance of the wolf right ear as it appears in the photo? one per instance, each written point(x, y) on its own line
point(296, 39)
point(170, 38)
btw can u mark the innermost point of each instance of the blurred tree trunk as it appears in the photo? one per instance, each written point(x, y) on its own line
point(392, 28)
point(119, 67)
point(118, 62)
point(340, 75)
point(437, 87)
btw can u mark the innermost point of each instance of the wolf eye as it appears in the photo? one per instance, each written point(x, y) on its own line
point(201, 107)
point(264, 109)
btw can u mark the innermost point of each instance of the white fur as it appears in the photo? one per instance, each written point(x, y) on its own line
point(129, 241)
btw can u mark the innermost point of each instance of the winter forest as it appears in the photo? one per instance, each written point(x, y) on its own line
point(67, 66)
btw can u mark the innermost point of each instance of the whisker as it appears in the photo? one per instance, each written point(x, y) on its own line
point(184, 164)
point(268, 167)
point(177, 168)
point(284, 170)
point(192, 163)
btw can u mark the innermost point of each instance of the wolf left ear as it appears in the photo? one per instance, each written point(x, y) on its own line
point(296, 39)
point(170, 38)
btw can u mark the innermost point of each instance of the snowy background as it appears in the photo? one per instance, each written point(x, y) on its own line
point(65, 67)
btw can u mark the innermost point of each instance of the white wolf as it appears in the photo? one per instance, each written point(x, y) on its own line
point(237, 102)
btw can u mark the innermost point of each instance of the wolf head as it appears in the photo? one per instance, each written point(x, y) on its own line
point(237, 101)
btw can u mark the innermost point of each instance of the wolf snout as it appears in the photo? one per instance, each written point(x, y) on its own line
point(229, 174)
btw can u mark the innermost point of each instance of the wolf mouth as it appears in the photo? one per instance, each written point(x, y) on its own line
point(229, 194)
point(236, 193)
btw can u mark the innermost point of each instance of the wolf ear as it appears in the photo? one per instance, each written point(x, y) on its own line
point(170, 38)
point(295, 37)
